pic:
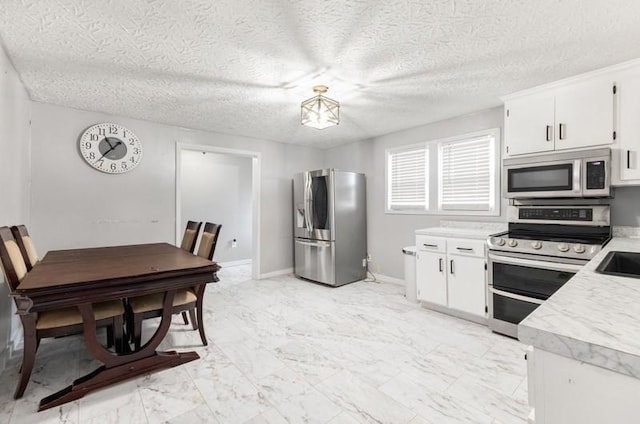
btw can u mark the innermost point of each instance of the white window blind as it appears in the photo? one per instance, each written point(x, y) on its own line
point(467, 169)
point(408, 179)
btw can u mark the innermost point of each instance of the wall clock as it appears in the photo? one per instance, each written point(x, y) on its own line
point(110, 148)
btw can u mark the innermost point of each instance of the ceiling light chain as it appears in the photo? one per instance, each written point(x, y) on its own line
point(319, 111)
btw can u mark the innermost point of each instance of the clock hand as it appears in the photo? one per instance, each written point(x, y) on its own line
point(108, 151)
point(107, 140)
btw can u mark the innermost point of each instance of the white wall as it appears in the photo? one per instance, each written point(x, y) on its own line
point(387, 234)
point(15, 112)
point(74, 205)
point(217, 188)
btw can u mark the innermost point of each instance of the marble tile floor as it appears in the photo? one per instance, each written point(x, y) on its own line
point(284, 350)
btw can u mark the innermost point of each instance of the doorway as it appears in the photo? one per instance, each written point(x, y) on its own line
point(222, 186)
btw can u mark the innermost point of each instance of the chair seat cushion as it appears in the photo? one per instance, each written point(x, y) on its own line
point(154, 301)
point(71, 316)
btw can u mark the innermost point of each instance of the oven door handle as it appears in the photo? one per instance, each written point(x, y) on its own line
point(535, 263)
point(517, 296)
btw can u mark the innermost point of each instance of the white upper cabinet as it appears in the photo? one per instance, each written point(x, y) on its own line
point(626, 152)
point(529, 124)
point(566, 115)
point(584, 114)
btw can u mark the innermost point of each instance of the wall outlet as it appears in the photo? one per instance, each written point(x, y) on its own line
point(234, 243)
point(368, 257)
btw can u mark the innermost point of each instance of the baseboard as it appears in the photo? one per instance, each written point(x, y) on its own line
point(239, 262)
point(454, 312)
point(275, 273)
point(387, 279)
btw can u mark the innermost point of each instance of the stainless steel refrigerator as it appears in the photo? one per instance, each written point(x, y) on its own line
point(330, 226)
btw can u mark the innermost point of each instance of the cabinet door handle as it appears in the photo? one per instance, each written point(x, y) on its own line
point(451, 266)
point(440, 264)
point(465, 249)
point(628, 159)
point(561, 131)
point(429, 245)
point(548, 134)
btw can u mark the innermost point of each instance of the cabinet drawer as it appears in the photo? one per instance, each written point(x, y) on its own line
point(466, 247)
point(431, 244)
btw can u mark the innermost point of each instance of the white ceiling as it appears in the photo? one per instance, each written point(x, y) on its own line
point(243, 66)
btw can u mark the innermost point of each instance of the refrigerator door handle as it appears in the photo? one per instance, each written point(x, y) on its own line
point(308, 198)
point(314, 243)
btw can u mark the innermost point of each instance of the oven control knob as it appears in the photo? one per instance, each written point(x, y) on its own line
point(498, 241)
point(579, 248)
point(563, 247)
point(512, 243)
point(536, 244)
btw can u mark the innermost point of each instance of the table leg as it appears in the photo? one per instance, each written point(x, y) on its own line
point(120, 367)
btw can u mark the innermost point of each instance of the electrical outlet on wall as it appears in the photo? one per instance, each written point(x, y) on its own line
point(368, 257)
point(234, 243)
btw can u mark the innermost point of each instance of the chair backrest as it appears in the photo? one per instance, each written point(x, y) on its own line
point(190, 236)
point(12, 262)
point(28, 249)
point(209, 240)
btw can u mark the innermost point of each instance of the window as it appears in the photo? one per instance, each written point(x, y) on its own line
point(408, 179)
point(465, 179)
point(457, 175)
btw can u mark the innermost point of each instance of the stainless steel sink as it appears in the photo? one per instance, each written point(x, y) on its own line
point(622, 264)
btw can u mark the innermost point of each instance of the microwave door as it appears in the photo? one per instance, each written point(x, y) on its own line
point(542, 180)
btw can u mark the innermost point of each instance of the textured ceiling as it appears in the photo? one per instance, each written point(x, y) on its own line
point(243, 66)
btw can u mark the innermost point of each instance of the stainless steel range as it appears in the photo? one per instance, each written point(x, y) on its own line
point(545, 246)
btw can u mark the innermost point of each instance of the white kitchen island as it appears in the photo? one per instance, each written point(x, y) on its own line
point(585, 363)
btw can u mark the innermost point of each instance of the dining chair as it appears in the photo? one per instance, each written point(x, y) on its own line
point(189, 240)
point(185, 300)
point(26, 246)
point(54, 323)
point(190, 236)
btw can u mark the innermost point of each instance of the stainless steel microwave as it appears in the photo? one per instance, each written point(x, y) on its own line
point(585, 173)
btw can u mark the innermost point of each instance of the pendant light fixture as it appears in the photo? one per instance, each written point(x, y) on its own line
point(319, 111)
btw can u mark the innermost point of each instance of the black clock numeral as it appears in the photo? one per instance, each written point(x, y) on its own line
point(102, 131)
point(113, 167)
point(136, 151)
point(132, 141)
point(100, 162)
point(92, 155)
point(124, 133)
point(132, 159)
point(113, 130)
point(93, 137)
point(87, 145)
point(124, 165)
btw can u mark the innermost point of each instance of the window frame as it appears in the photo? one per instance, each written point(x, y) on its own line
point(434, 176)
point(388, 179)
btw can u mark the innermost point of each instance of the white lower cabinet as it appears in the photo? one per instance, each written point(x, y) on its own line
point(466, 284)
point(451, 273)
point(431, 277)
point(566, 390)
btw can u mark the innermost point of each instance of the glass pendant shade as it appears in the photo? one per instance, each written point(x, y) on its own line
point(320, 112)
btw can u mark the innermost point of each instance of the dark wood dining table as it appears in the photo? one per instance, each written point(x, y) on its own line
point(81, 277)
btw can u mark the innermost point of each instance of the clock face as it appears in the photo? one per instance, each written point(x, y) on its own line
point(110, 148)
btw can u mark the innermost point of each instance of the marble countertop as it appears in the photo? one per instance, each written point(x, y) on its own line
point(479, 231)
point(593, 318)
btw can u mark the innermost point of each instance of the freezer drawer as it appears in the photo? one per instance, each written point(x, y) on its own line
point(315, 260)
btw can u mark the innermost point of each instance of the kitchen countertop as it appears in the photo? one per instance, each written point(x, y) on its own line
point(594, 318)
point(478, 232)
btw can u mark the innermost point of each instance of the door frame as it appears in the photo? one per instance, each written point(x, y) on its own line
point(255, 194)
